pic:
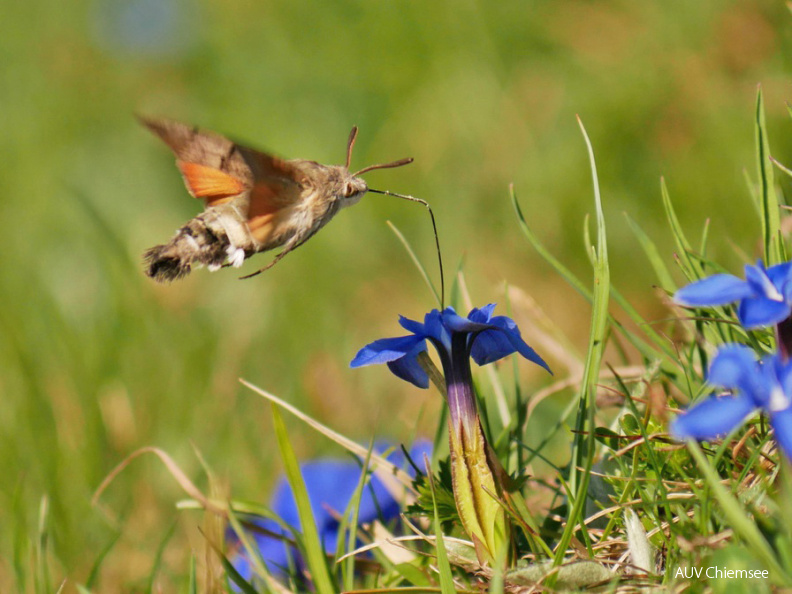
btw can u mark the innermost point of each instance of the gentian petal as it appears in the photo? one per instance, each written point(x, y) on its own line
point(456, 323)
point(483, 315)
point(412, 326)
point(756, 312)
point(785, 378)
point(761, 284)
point(419, 449)
point(408, 368)
point(731, 365)
point(502, 340)
point(780, 275)
point(386, 350)
point(782, 426)
point(490, 346)
point(435, 329)
point(718, 289)
point(712, 417)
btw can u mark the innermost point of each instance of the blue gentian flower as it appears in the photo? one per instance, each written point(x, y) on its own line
point(765, 295)
point(475, 471)
point(482, 336)
point(330, 483)
point(765, 384)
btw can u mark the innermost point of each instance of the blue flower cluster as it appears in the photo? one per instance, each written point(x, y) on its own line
point(330, 483)
point(751, 384)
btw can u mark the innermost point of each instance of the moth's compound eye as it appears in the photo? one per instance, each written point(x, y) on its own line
point(350, 190)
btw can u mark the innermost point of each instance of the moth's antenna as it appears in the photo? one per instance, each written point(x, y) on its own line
point(398, 163)
point(434, 226)
point(351, 144)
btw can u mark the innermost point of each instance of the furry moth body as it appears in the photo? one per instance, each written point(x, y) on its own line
point(254, 201)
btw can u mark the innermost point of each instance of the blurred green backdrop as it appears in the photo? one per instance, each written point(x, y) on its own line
point(96, 360)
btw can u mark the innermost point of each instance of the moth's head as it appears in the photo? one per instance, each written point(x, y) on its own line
point(354, 186)
point(352, 190)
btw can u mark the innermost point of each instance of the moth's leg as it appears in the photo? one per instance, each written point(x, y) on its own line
point(277, 258)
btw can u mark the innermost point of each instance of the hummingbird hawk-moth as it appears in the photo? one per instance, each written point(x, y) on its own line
point(254, 201)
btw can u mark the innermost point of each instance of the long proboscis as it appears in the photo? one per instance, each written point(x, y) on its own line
point(434, 228)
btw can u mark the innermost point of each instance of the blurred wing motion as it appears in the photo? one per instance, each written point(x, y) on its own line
point(248, 195)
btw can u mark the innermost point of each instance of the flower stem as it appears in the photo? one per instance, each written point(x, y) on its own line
point(784, 338)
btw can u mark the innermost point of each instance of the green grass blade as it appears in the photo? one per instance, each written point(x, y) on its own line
point(349, 525)
point(781, 167)
point(393, 478)
point(443, 566)
point(314, 552)
point(95, 569)
point(653, 255)
point(576, 284)
point(583, 446)
point(704, 238)
point(545, 253)
point(43, 582)
point(690, 266)
point(250, 547)
point(769, 206)
point(455, 291)
point(660, 342)
point(416, 261)
point(158, 558)
point(192, 586)
point(235, 577)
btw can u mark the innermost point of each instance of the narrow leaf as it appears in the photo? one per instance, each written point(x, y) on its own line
point(314, 552)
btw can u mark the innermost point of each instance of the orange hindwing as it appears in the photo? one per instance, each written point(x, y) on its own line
point(209, 183)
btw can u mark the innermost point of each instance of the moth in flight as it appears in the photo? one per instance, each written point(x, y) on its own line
point(254, 201)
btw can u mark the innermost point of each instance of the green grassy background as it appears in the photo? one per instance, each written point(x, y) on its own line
point(96, 360)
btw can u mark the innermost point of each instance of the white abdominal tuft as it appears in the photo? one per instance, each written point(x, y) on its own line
point(236, 256)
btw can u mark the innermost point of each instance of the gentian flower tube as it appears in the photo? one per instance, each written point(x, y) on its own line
point(765, 298)
point(753, 384)
point(331, 484)
point(477, 475)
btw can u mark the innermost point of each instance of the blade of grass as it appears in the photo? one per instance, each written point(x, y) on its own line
point(545, 253)
point(690, 266)
point(443, 566)
point(583, 445)
point(236, 577)
point(158, 558)
point(416, 261)
point(43, 582)
point(314, 552)
point(393, 478)
point(349, 525)
point(576, 284)
point(192, 586)
point(94, 573)
point(770, 215)
point(653, 255)
point(251, 548)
